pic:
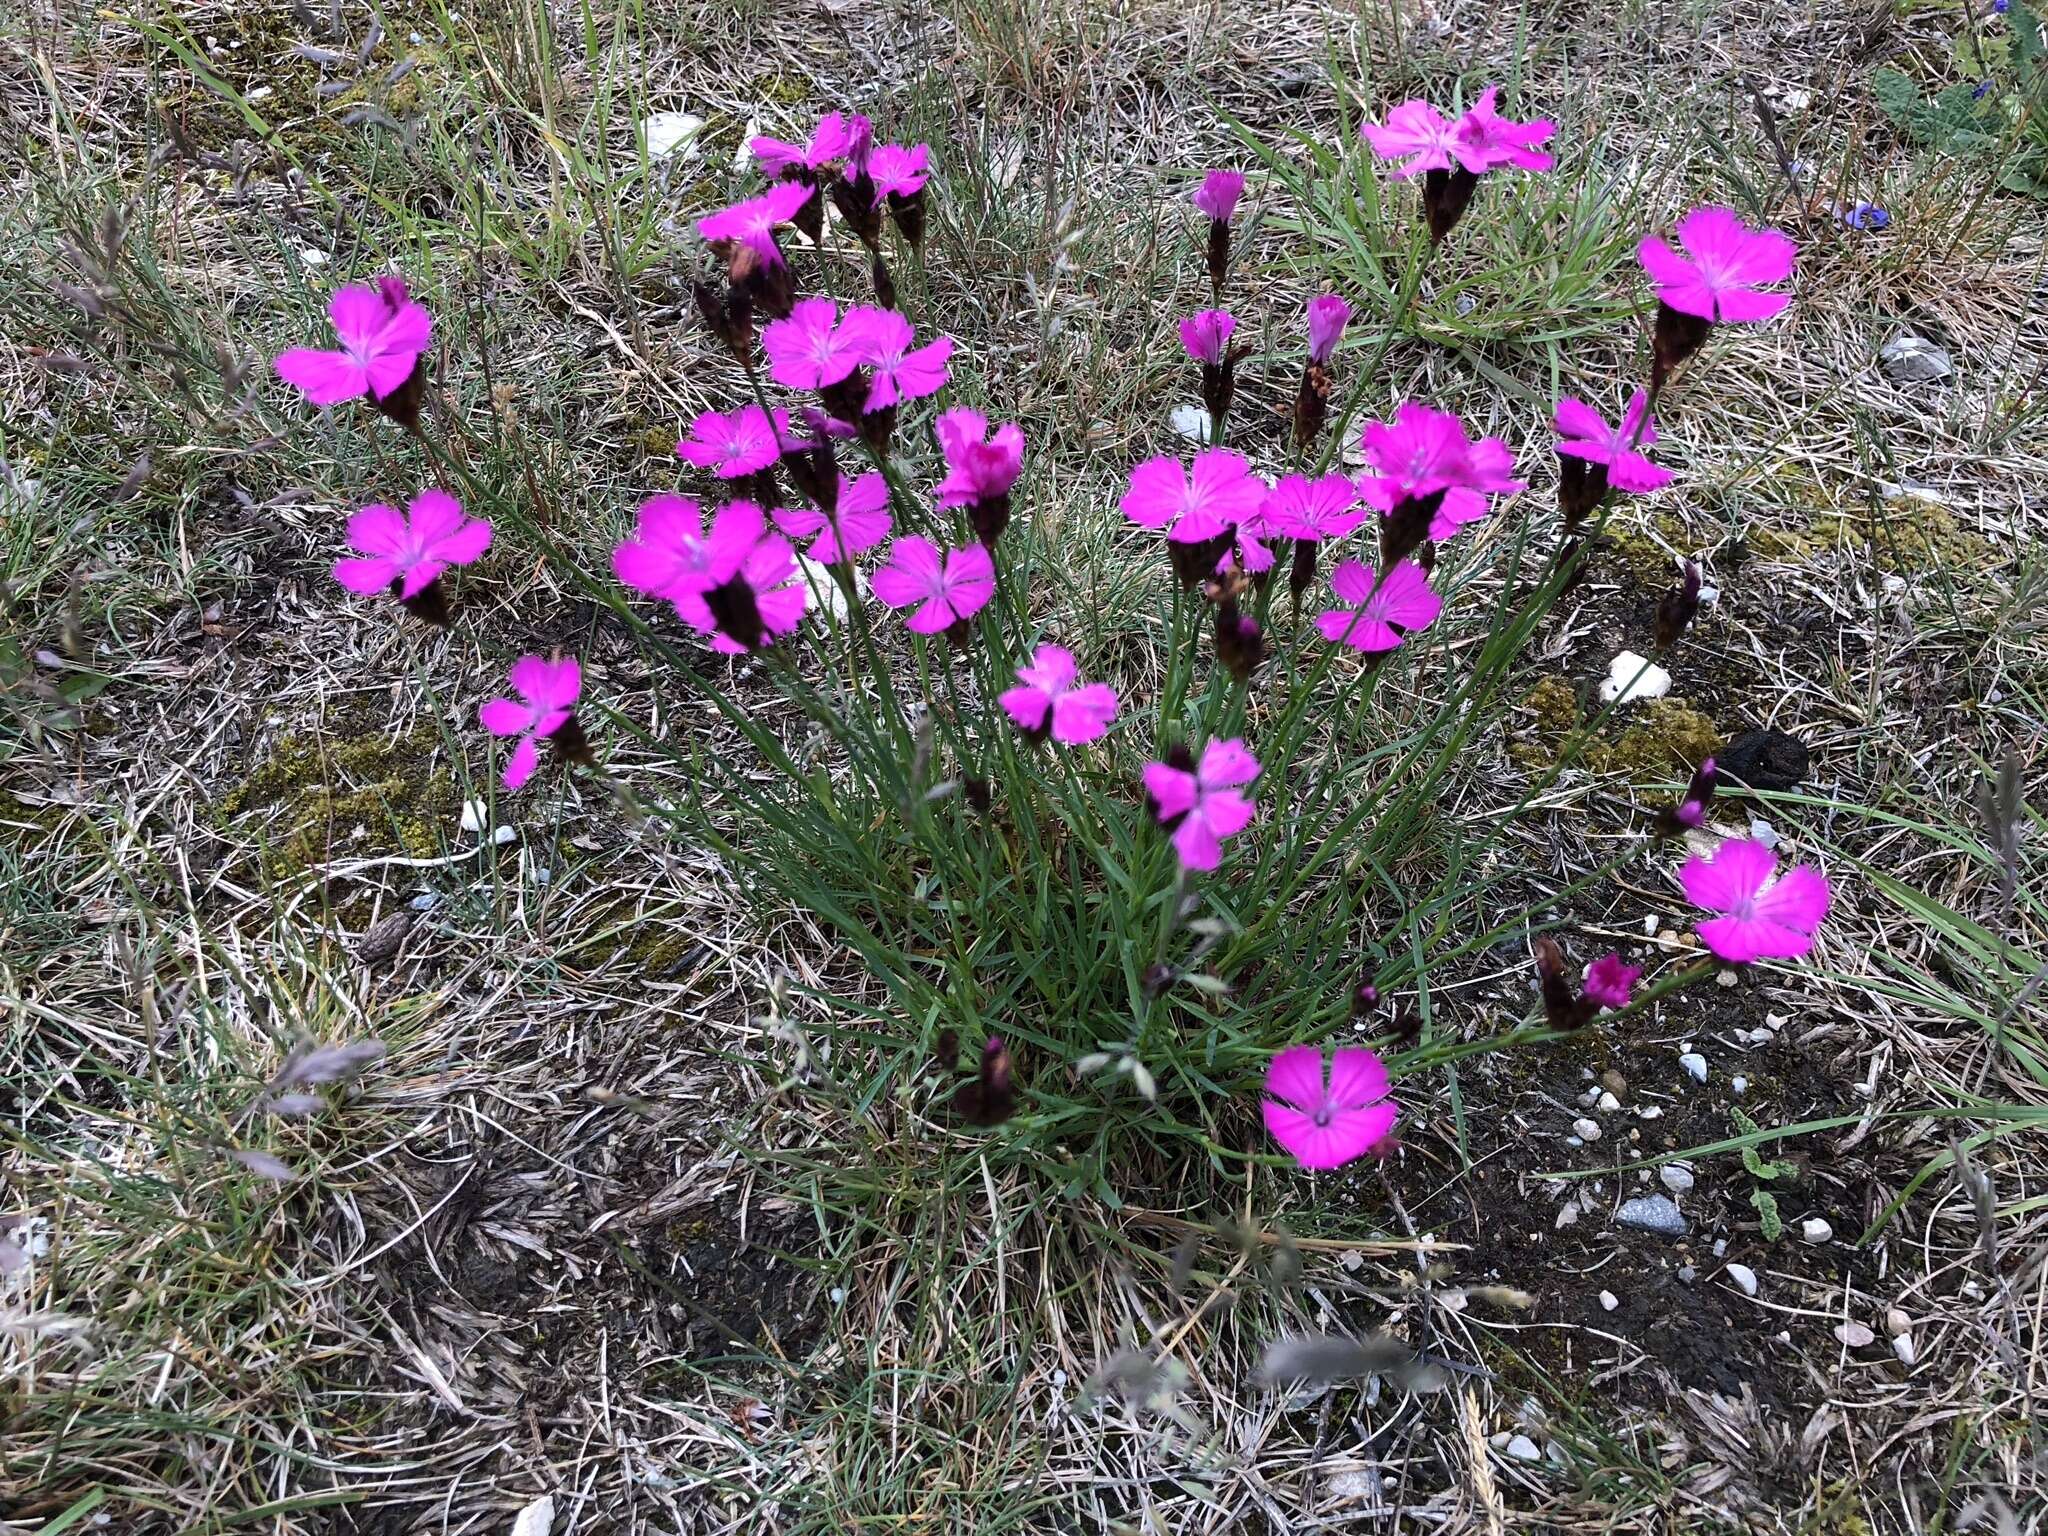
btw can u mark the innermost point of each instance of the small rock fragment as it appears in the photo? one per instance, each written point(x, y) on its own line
point(1650, 1112)
point(1522, 1448)
point(1613, 1082)
point(1652, 1213)
point(1687, 1274)
point(1740, 1085)
point(1743, 1276)
point(1631, 677)
point(1896, 1321)
point(1609, 1301)
point(1607, 1103)
point(1586, 1130)
point(1902, 1346)
point(1695, 1066)
point(1853, 1334)
point(1727, 979)
point(1676, 1179)
point(475, 815)
point(1814, 1230)
point(1910, 359)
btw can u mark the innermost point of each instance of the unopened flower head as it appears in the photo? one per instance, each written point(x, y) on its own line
point(1610, 982)
point(1218, 194)
point(383, 333)
point(1050, 700)
point(1328, 314)
point(1761, 918)
point(1206, 334)
point(406, 554)
point(1328, 1120)
point(1202, 804)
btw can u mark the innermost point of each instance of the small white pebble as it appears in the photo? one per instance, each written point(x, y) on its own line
point(1575, 1141)
point(1855, 1335)
point(1695, 1066)
point(475, 813)
point(1739, 1084)
point(1777, 1020)
point(1814, 1230)
point(1608, 1102)
point(502, 835)
point(1676, 1179)
point(1586, 1130)
point(1763, 832)
point(1609, 1301)
point(1650, 925)
point(1902, 1346)
point(1522, 1448)
point(1631, 677)
point(838, 1295)
point(1720, 1247)
point(1896, 1321)
point(1726, 979)
point(1650, 1112)
point(1743, 1276)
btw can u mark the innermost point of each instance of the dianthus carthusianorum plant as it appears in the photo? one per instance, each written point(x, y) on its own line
point(1142, 852)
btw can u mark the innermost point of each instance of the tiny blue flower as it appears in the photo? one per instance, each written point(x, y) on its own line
point(2000, 6)
point(1983, 89)
point(1865, 216)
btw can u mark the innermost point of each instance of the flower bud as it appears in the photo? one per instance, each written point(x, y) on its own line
point(1560, 1000)
point(1691, 810)
point(1676, 337)
point(990, 1097)
point(1240, 643)
point(1675, 609)
point(1445, 197)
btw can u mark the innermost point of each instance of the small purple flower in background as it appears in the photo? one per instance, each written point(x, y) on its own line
point(733, 444)
point(1691, 811)
point(859, 520)
point(1432, 478)
point(383, 333)
point(885, 341)
point(1609, 982)
point(1326, 1123)
point(1451, 157)
point(2001, 6)
point(406, 554)
point(1198, 508)
point(1328, 314)
point(942, 590)
point(1217, 197)
point(1310, 512)
point(1218, 194)
point(980, 469)
point(1865, 216)
point(1978, 93)
point(1718, 280)
point(1761, 918)
point(1205, 335)
point(1383, 609)
point(1593, 456)
point(1201, 804)
point(1051, 700)
point(751, 224)
point(831, 143)
point(900, 174)
point(1486, 141)
point(545, 708)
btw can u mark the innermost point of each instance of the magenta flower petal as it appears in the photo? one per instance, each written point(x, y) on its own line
point(1218, 194)
point(1327, 316)
point(1403, 597)
point(412, 549)
point(667, 552)
point(1724, 264)
point(382, 333)
point(898, 171)
point(1327, 1126)
point(752, 223)
point(1609, 982)
point(811, 348)
point(520, 765)
point(1486, 141)
point(1761, 918)
point(1205, 335)
point(1417, 135)
point(978, 467)
point(735, 443)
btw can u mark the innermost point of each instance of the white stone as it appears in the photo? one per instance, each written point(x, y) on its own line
point(1586, 1130)
point(1814, 1230)
point(476, 815)
point(1743, 1276)
point(1609, 1301)
point(1739, 1084)
point(1650, 1112)
point(1191, 422)
point(1763, 832)
point(673, 133)
point(1522, 1448)
point(1896, 1321)
point(1609, 1102)
point(1631, 677)
point(1695, 1066)
point(1902, 1346)
point(1726, 979)
point(1676, 1179)
point(1910, 359)
point(537, 1519)
point(1853, 1334)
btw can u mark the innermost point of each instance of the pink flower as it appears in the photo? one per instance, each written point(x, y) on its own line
point(898, 172)
point(1051, 700)
point(1486, 141)
point(1328, 1124)
point(946, 590)
point(1192, 506)
point(734, 581)
point(1328, 314)
point(1422, 452)
point(1201, 804)
point(735, 443)
point(882, 339)
point(812, 348)
point(1762, 918)
point(1587, 436)
point(859, 522)
point(978, 467)
point(1416, 134)
point(1218, 194)
point(1205, 335)
point(752, 223)
point(1403, 597)
point(1319, 509)
point(831, 142)
point(547, 702)
point(1249, 551)
point(1728, 263)
point(1609, 982)
point(668, 557)
point(410, 551)
point(382, 332)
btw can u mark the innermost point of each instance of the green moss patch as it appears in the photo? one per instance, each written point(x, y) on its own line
point(366, 796)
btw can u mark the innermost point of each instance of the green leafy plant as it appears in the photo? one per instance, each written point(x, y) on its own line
point(1999, 114)
point(1765, 1171)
